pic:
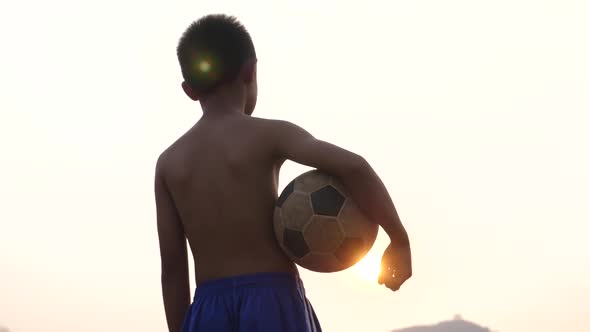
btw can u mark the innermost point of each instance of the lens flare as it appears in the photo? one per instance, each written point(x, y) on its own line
point(204, 66)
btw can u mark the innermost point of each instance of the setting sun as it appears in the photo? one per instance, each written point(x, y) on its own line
point(369, 266)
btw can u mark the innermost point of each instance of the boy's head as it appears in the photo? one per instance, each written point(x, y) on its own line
point(216, 52)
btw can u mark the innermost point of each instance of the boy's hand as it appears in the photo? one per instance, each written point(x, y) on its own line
point(396, 267)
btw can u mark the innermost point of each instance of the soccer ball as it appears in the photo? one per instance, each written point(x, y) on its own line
point(319, 227)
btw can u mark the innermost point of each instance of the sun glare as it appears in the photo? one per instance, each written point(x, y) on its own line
point(369, 266)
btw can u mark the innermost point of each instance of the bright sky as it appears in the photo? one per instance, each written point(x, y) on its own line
point(475, 114)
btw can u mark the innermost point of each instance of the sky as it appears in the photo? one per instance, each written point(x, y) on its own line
point(474, 114)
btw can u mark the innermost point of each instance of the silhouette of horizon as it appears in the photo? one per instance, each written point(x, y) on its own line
point(457, 324)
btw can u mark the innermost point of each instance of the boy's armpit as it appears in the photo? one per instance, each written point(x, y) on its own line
point(295, 143)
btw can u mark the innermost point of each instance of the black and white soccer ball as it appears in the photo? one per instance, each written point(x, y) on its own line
point(319, 227)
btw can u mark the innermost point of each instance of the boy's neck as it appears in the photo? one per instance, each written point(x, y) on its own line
point(223, 103)
point(221, 110)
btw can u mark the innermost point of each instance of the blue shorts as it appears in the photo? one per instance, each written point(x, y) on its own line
point(262, 302)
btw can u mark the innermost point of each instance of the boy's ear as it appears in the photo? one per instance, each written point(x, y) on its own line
point(249, 71)
point(189, 91)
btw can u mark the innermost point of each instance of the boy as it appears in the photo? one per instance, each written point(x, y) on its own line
point(216, 187)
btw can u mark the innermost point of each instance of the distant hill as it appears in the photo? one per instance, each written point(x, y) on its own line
point(458, 324)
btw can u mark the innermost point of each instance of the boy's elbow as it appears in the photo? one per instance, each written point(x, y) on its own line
point(357, 165)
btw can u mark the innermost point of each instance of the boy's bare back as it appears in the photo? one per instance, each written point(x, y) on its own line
point(223, 175)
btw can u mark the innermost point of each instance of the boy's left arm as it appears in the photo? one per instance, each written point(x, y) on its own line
point(173, 254)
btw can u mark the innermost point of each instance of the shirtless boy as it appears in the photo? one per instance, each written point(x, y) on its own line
point(216, 187)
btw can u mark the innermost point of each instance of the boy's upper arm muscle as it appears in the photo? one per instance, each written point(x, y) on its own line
point(170, 229)
point(298, 145)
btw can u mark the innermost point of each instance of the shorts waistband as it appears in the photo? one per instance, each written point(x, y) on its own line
point(263, 279)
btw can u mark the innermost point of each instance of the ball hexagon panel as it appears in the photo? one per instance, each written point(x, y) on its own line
point(327, 201)
point(323, 234)
point(321, 262)
point(311, 181)
point(296, 211)
point(353, 221)
point(294, 242)
point(351, 250)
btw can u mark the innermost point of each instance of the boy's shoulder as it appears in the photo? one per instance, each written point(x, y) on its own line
point(166, 157)
point(163, 160)
point(273, 125)
point(268, 130)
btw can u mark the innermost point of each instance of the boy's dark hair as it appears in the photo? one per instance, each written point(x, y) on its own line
point(212, 51)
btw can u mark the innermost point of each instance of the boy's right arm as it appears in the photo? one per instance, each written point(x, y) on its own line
point(364, 186)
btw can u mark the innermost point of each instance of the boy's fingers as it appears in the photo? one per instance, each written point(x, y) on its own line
point(394, 287)
point(393, 284)
point(385, 278)
point(384, 273)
